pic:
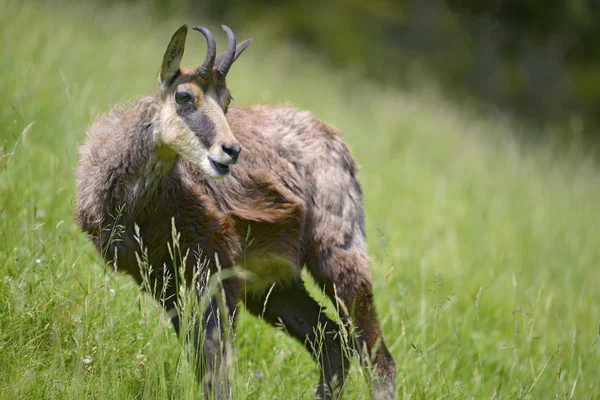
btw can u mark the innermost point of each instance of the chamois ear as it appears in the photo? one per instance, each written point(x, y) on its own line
point(239, 49)
point(172, 58)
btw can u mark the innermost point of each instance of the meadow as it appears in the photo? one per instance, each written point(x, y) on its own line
point(485, 247)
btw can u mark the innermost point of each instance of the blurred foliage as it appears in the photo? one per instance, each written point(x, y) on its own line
point(532, 57)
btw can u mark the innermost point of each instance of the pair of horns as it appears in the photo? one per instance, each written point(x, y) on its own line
point(225, 59)
point(174, 53)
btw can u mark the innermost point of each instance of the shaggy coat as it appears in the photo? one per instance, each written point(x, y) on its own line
point(292, 200)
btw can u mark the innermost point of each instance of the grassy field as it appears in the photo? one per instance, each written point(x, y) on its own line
point(486, 251)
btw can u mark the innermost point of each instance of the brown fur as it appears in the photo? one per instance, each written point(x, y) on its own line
point(294, 189)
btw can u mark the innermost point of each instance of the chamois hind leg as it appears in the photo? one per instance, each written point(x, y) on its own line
point(336, 256)
point(290, 305)
point(345, 276)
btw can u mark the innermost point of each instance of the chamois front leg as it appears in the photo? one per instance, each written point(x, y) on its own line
point(212, 342)
point(208, 339)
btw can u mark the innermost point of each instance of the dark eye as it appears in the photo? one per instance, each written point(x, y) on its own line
point(183, 97)
point(228, 104)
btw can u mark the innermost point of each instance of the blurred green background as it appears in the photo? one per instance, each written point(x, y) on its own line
point(482, 216)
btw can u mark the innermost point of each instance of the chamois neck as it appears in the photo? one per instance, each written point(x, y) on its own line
point(141, 162)
point(159, 162)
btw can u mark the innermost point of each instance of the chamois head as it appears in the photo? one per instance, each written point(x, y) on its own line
point(194, 104)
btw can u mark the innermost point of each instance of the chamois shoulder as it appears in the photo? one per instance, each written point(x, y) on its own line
point(121, 125)
point(115, 146)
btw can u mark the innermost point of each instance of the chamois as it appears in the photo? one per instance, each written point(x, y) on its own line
point(162, 160)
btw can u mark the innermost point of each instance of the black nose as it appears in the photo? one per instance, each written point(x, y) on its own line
point(232, 151)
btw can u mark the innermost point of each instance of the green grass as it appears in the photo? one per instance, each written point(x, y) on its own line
point(486, 251)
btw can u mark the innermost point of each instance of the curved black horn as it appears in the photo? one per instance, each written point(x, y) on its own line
point(229, 55)
point(211, 52)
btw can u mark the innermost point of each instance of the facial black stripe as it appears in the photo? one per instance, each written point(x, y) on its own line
point(199, 123)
